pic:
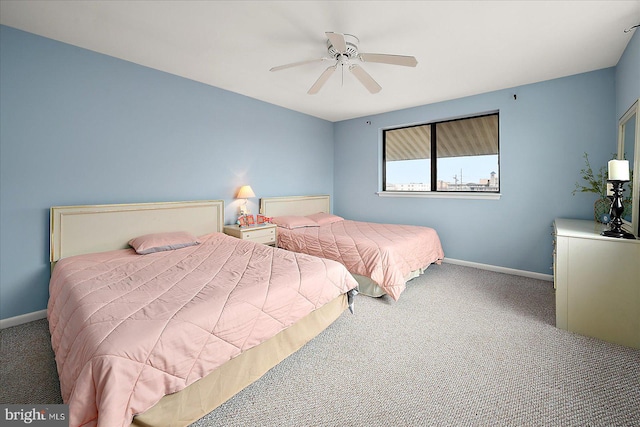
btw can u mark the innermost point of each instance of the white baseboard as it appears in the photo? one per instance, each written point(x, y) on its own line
point(23, 318)
point(539, 276)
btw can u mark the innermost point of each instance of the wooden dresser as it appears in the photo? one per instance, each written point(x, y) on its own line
point(597, 281)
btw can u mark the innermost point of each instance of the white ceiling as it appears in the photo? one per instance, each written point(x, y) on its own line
point(463, 47)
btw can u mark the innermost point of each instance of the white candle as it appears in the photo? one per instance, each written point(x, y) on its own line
point(619, 170)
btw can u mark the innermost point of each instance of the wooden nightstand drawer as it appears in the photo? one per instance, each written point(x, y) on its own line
point(265, 234)
point(261, 236)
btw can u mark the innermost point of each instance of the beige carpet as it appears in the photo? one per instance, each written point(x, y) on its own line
point(462, 347)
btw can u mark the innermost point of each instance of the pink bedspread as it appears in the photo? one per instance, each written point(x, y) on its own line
point(386, 253)
point(127, 329)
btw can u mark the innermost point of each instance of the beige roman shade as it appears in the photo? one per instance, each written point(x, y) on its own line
point(467, 137)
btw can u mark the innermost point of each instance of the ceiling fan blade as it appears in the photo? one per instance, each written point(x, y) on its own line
point(366, 80)
point(295, 64)
point(322, 80)
point(338, 42)
point(407, 61)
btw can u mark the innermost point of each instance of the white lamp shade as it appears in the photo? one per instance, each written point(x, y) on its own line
point(245, 192)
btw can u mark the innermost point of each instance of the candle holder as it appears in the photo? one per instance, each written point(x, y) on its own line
point(615, 226)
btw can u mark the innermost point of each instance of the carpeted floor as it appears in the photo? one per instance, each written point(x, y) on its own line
point(462, 347)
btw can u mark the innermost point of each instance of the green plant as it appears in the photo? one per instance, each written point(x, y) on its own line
point(596, 182)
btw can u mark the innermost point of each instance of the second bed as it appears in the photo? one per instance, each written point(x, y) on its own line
point(382, 257)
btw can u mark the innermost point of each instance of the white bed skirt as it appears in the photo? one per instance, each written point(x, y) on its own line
point(368, 287)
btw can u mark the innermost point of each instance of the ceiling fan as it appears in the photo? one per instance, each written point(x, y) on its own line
point(343, 48)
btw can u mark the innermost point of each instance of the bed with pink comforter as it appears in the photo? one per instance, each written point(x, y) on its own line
point(128, 329)
point(386, 253)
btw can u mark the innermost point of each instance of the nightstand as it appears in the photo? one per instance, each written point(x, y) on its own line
point(263, 233)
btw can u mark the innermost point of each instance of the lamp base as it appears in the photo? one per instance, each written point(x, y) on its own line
point(620, 234)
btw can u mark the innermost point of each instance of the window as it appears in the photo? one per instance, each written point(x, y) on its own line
point(460, 155)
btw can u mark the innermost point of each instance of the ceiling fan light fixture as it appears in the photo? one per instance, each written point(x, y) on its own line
point(343, 48)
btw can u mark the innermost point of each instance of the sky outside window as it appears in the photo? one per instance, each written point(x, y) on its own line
point(474, 168)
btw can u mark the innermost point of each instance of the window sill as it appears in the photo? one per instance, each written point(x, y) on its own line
point(440, 195)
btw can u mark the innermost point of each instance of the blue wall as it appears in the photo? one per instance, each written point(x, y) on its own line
point(543, 135)
point(77, 127)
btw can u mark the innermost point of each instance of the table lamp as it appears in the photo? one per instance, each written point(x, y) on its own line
point(245, 193)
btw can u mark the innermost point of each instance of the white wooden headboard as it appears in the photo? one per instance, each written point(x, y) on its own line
point(77, 230)
point(295, 205)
